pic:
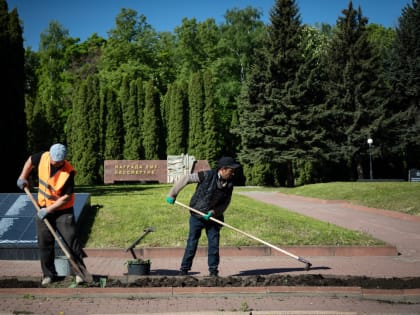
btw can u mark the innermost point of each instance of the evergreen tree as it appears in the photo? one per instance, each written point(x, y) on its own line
point(177, 119)
point(140, 105)
point(84, 142)
point(307, 92)
point(12, 121)
point(114, 134)
point(269, 114)
point(128, 97)
point(152, 137)
point(404, 109)
point(355, 91)
point(212, 139)
point(196, 110)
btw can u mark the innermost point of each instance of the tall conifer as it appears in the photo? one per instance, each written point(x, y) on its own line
point(12, 105)
point(211, 136)
point(128, 96)
point(177, 119)
point(114, 134)
point(355, 92)
point(196, 110)
point(152, 138)
point(84, 143)
point(404, 109)
point(269, 114)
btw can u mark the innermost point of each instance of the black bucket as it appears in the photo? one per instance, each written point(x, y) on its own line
point(139, 269)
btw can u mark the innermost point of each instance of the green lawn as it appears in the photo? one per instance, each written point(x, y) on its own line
point(397, 196)
point(120, 213)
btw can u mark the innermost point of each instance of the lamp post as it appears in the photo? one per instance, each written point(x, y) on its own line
point(370, 141)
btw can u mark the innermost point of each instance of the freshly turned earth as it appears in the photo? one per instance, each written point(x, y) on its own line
point(231, 281)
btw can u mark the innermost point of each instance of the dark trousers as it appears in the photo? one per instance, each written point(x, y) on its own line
point(64, 223)
point(213, 235)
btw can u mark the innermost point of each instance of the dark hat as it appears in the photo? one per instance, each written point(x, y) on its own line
point(58, 152)
point(227, 161)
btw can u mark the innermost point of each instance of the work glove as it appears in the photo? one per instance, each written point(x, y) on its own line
point(22, 183)
point(207, 216)
point(170, 200)
point(42, 213)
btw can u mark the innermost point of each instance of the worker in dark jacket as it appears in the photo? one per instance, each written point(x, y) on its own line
point(212, 197)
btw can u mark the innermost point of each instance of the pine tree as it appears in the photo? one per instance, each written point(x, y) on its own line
point(404, 109)
point(269, 113)
point(355, 91)
point(308, 94)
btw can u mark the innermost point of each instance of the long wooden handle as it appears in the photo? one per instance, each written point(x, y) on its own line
point(301, 259)
point(54, 233)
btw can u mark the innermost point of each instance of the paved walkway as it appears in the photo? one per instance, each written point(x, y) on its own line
point(401, 231)
point(398, 229)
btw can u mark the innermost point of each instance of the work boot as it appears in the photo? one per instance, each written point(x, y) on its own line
point(183, 272)
point(79, 279)
point(214, 273)
point(46, 281)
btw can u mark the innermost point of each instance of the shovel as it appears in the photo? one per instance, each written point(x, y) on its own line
point(80, 270)
point(301, 259)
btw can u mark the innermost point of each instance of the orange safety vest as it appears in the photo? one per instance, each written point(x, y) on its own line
point(50, 187)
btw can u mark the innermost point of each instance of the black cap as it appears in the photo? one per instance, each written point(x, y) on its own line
point(228, 162)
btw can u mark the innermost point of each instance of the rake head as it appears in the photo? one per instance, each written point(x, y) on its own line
point(307, 263)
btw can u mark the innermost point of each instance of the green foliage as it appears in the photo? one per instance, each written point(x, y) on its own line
point(270, 113)
point(176, 98)
point(212, 139)
point(403, 131)
point(114, 133)
point(258, 174)
point(128, 97)
point(355, 91)
point(196, 112)
point(83, 143)
point(53, 97)
point(152, 136)
point(188, 51)
point(295, 103)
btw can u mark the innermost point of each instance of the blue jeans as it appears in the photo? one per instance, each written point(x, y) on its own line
point(213, 236)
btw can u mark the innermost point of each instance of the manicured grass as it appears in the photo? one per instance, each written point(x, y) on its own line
point(120, 213)
point(397, 196)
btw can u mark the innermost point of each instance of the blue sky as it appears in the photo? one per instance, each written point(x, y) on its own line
point(82, 18)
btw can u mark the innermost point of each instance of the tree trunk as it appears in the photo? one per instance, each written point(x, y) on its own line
point(359, 169)
point(290, 177)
